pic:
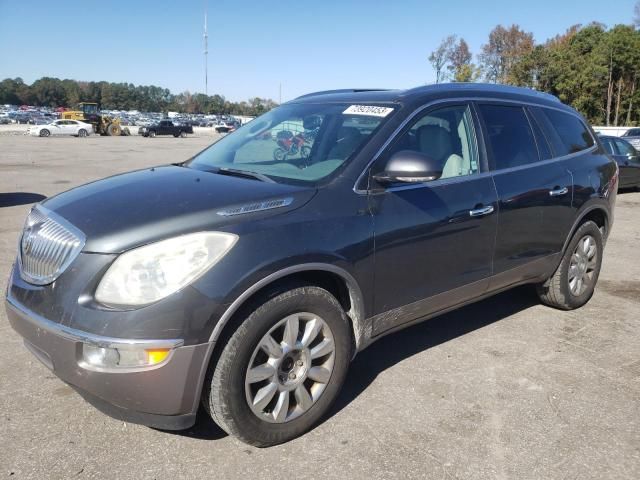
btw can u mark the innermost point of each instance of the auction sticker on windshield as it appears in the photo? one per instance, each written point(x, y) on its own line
point(369, 110)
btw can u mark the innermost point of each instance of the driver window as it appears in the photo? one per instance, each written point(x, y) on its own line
point(447, 136)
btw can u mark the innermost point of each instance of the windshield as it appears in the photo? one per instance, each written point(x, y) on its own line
point(298, 143)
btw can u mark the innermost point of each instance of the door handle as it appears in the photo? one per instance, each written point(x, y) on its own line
point(558, 192)
point(479, 212)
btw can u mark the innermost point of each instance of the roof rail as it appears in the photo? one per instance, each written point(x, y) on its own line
point(342, 90)
point(486, 87)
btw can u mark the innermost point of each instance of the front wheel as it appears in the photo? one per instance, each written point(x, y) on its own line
point(152, 134)
point(281, 369)
point(279, 155)
point(574, 281)
point(183, 134)
point(44, 132)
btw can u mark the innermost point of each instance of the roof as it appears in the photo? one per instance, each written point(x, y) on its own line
point(426, 93)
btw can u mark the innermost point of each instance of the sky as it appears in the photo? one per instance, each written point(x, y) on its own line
point(257, 46)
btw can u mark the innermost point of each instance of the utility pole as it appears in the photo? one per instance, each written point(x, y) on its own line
point(206, 52)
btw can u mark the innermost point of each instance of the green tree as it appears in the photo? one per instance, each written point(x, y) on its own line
point(505, 48)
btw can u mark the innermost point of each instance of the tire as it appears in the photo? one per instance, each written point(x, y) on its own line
point(44, 132)
point(113, 130)
point(279, 155)
point(183, 134)
point(126, 132)
point(152, 134)
point(82, 133)
point(229, 388)
point(176, 135)
point(575, 279)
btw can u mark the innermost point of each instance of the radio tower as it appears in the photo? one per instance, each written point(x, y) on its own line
point(206, 52)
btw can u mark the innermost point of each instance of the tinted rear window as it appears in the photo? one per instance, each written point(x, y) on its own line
point(572, 134)
point(509, 136)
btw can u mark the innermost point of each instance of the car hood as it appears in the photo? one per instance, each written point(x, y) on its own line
point(133, 209)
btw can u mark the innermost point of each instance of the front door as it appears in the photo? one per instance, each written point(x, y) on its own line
point(434, 241)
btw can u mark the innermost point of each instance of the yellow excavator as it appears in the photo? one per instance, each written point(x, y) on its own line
point(102, 124)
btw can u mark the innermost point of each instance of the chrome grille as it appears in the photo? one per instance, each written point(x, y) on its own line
point(47, 247)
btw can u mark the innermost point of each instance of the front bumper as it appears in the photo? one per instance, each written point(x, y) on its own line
point(165, 396)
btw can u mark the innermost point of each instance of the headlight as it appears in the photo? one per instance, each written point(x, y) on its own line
point(147, 274)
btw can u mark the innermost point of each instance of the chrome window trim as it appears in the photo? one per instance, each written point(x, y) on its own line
point(76, 335)
point(63, 266)
point(453, 100)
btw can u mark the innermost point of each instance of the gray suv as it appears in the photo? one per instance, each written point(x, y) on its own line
point(247, 283)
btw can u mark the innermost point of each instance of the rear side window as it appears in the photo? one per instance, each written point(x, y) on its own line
point(609, 146)
point(510, 138)
point(625, 148)
point(569, 135)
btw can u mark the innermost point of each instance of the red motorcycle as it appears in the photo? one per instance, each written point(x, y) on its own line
point(289, 145)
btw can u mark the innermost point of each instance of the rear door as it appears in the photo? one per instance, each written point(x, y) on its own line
point(534, 192)
point(434, 241)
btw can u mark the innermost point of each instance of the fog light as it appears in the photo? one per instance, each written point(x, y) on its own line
point(128, 357)
point(100, 357)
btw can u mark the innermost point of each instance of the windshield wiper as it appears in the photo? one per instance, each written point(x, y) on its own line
point(245, 174)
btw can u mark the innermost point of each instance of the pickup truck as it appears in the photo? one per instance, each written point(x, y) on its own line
point(166, 127)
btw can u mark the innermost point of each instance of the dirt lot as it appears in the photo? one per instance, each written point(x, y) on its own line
point(504, 389)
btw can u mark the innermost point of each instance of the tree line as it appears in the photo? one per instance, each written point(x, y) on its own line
point(594, 69)
point(53, 92)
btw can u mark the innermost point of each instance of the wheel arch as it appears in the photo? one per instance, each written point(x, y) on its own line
point(335, 279)
point(597, 213)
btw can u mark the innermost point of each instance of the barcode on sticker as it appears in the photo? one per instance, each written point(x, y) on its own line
point(370, 110)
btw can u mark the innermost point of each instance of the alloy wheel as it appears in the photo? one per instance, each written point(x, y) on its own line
point(290, 368)
point(582, 266)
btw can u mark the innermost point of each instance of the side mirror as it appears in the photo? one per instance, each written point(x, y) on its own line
point(409, 166)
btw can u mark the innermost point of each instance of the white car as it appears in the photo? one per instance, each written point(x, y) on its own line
point(62, 127)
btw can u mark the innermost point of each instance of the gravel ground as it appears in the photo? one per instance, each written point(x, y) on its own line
point(504, 389)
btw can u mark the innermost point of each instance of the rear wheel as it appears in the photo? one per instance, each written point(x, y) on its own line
point(574, 281)
point(281, 369)
point(44, 132)
point(82, 132)
point(183, 134)
point(152, 133)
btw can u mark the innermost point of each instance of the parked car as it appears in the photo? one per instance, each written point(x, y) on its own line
point(248, 285)
point(633, 137)
point(166, 127)
point(226, 126)
point(627, 158)
point(62, 127)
